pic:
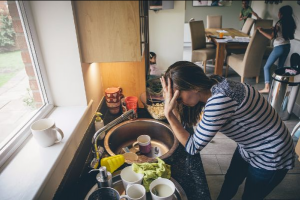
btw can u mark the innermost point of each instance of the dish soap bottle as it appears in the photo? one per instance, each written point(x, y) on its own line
point(104, 178)
point(99, 124)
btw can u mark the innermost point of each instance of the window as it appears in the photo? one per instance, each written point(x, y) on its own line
point(23, 88)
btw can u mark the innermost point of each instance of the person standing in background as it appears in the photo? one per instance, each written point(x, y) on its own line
point(154, 69)
point(247, 12)
point(282, 33)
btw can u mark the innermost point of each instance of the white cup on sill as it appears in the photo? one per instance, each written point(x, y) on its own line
point(44, 132)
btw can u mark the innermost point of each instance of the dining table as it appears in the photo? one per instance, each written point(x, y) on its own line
point(228, 42)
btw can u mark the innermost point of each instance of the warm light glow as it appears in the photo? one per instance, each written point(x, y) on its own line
point(93, 72)
point(93, 79)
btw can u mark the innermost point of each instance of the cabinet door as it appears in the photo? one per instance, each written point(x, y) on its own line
point(144, 25)
point(108, 31)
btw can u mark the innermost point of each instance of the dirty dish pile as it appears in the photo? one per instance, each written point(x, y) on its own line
point(118, 186)
point(140, 182)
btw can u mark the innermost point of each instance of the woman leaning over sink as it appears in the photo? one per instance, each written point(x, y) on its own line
point(265, 150)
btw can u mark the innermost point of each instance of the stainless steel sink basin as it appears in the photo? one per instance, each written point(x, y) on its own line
point(126, 133)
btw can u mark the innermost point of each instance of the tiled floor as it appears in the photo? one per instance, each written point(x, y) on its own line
point(216, 156)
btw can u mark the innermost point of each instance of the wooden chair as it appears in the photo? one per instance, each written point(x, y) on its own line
point(249, 64)
point(214, 21)
point(246, 29)
point(265, 23)
point(247, 26)
point(201, 51)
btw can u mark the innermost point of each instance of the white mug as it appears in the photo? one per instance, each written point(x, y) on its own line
point(135, 192)
point(162, 189)
point(129, 177)
point(45, 132)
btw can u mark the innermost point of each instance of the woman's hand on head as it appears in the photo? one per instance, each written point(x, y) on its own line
point(169, 96)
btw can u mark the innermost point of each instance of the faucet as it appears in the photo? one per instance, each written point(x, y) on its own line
point(123, 117)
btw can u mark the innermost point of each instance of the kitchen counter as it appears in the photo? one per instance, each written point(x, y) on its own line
point(186, 169)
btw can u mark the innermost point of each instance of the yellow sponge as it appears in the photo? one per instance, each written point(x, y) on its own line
point(112, 163)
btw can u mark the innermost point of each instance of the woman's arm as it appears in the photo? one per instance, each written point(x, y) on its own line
point(267, 35)
point(240, 17)
point(217, 111)
point(216, 114)
point(181, 134)
point(170, 102)
point(255, 14)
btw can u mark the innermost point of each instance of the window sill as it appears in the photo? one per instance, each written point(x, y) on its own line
point(35, 172)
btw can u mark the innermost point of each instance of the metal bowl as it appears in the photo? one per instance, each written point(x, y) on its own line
point(125, 135)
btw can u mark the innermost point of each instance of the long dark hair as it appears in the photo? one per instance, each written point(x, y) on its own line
point(287, 22)
point(187, 76)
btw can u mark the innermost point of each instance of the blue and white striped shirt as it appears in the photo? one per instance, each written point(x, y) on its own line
point(241, 113)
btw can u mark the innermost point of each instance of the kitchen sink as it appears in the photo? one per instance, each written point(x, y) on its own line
point(125, 134)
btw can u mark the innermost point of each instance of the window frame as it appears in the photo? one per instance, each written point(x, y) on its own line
point(20, 136)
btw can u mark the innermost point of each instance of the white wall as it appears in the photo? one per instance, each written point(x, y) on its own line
point(166, 34)
point(56, 32)
point(230, 14)
point(187, 35)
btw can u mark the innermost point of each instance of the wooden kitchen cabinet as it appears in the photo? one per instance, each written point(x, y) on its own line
point(108, 31)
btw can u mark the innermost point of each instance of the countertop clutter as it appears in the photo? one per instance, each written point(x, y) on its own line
point(186, 169)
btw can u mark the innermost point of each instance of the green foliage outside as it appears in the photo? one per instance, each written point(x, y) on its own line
point(28, 99)
point(10, 64)
point(7, 33)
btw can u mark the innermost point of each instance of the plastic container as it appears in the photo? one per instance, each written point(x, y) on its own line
point(99, 124)
point(132, 103)
point(131, 99)
point(104, 178)
point(112, 163)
